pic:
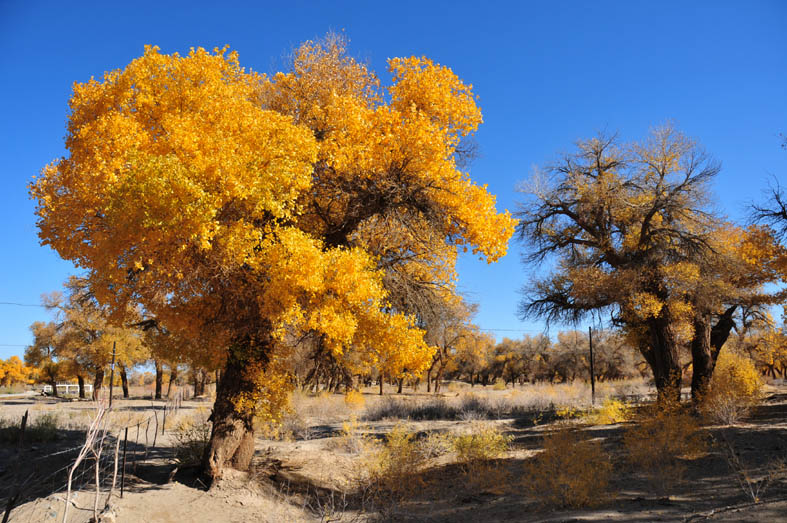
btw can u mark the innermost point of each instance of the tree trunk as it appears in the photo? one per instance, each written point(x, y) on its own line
point(98, 383)
point(199, 382)
point(124, 380)
point(381, 384)
point(429, 380)
point(664, 360)
point(159, 379)
point(232, 438)
point(173, 375)
point(53, 384)
point(399, 388)
point(705, 347)
point(81, 381)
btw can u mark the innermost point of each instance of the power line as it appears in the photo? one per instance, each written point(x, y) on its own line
point(20, 304)
point(510, 330)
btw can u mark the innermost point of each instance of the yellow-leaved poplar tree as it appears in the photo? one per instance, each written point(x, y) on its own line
point(243, 209)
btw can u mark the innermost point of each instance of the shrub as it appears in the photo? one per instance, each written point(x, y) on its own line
point(391, 470)
point(192, 436)
point(499, 385)
point(612, 411)
point(436, 444)
point(391, 408)
point(735, 387)
point(482, 443)
point(291, 427)
point(570, 472)
point(354, 400)
point(41, 429)
point(659, 443)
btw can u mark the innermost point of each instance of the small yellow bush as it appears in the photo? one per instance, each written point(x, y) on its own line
point(660, 441)
point(477, 452)
point(352, 439)
point(392, 470)
point(735, 387)
point(482, 443)
point(570, 472)
point(612, 411)
point(354, 400)
point(567, 412)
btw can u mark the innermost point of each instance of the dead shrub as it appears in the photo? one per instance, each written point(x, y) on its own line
point(192, 436)
point(570, 472)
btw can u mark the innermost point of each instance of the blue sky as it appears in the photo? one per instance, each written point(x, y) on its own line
point(547, 74)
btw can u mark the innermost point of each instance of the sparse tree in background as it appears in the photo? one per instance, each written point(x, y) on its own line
point(773, 212)
point(42, 354)
point(633, 235)
point(89, 336)
point(13, 371)
point(243, 207)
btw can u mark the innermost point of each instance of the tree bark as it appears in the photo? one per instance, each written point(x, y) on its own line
point(98, 382)
point(53, 384)
point(381, 384)
point(81, 381)
point(664, 360)
point(232, 437)
point(159, 379)
point(124, 380)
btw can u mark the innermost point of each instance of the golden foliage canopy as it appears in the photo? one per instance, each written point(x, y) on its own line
point(247, 207)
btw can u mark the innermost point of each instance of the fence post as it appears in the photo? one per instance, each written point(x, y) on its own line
point(123, 470)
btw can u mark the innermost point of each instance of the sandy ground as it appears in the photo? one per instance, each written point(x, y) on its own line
point(309, 480)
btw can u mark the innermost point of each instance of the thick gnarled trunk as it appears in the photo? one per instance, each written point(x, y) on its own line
point(661, 353)
point(232, 438)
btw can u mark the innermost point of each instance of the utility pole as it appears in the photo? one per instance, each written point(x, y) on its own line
point(592, 373)
point(112, 374)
